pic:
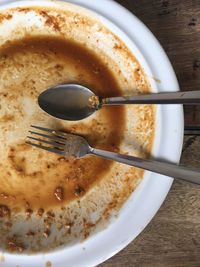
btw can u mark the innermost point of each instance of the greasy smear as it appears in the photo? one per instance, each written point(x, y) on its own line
point(33, 179)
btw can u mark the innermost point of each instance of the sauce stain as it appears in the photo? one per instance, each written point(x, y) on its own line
point(29, 175)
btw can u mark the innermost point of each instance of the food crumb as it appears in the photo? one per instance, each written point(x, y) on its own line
point(4, 211)
point(28, 213)
point(79, 191)
point(4, 195)
point(50, 214)
point(47, 233)
point(30, 234)
point(40, 212)
point(94, 102)
point(14, 246)
point(62, 159)
point(59, 193)
point(68, 226)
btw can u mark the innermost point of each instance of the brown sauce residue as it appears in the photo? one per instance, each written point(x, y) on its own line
point(14, 246)
point(29, 175)
point(4, 211)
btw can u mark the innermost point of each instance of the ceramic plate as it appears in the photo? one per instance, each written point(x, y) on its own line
point(150, 194)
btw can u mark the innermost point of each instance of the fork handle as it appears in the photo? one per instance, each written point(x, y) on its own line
point(168, 169)
point(189, 97)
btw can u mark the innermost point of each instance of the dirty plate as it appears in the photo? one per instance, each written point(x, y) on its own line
point(145, 201)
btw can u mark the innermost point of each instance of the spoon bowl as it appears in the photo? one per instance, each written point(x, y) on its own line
point(67, 102)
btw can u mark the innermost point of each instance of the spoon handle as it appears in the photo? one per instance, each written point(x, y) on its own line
point(190, 97)
point(168, 169)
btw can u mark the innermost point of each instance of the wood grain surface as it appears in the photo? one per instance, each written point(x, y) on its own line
point(172, 239)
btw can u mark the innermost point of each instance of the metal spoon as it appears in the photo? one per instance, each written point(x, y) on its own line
point(75, 102)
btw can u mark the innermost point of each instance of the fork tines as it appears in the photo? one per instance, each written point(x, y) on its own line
point(47, 139)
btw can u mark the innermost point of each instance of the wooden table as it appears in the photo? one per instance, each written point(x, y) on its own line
point(172, 239)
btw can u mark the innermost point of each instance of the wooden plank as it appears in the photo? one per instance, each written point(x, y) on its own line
point(176, 24)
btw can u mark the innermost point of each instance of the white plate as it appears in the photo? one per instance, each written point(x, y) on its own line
point(147, 199)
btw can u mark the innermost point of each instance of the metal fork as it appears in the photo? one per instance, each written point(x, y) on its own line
point(73, 145)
